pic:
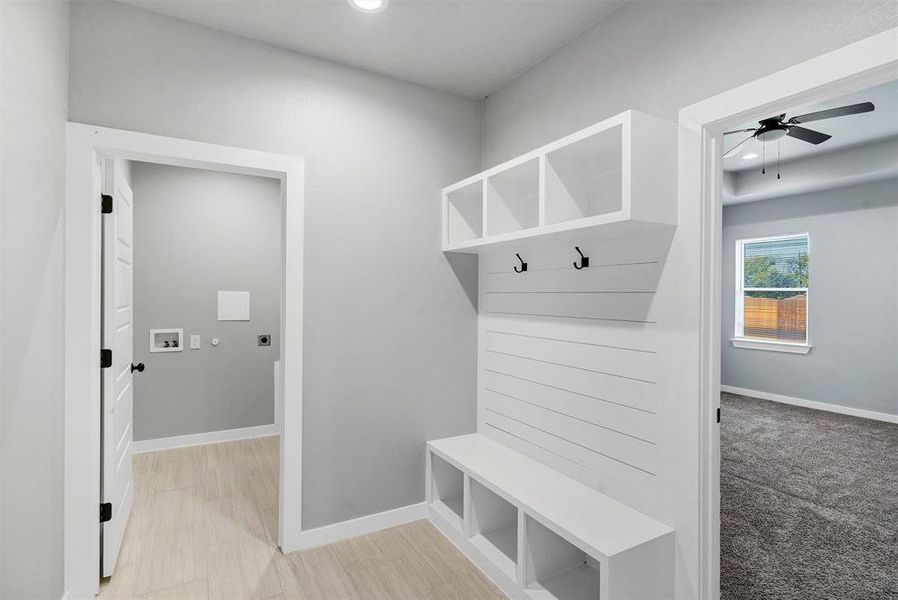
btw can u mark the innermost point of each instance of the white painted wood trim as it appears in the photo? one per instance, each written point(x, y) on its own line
point(209, 437)
point(771, 346)
point(861, 65)
point(824, 406)
point(854, 67)
point(329, 534)
point(86, 144)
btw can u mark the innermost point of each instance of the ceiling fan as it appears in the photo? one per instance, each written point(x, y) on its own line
point(776, 128)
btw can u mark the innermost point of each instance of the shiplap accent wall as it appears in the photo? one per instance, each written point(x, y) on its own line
point(572, 363)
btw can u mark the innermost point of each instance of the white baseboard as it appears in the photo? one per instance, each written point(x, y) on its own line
point(826, 406)
point(197, 439)
point(329, 534)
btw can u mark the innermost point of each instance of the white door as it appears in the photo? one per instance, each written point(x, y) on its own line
point(117, 335)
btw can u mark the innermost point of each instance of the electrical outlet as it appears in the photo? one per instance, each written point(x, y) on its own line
point(264, 339)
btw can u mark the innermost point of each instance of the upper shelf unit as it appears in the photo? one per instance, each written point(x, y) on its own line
point(613, 178)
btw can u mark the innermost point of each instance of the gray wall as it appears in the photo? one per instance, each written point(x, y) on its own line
point(33, 98)
point(390, 330)
point(197, 232)
point(852, 297)
point(659, 56)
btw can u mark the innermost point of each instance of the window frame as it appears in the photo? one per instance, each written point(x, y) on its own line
point(739, 339)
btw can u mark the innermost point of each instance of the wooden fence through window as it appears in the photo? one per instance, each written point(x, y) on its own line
point(779, 319)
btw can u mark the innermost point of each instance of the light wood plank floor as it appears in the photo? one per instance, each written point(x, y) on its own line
point(204, 525)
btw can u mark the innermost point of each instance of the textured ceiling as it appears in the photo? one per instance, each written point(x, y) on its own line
point(471, 48)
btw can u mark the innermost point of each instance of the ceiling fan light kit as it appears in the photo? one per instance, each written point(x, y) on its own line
point(774, 129)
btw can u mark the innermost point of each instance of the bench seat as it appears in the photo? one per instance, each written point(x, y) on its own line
point(573, 541)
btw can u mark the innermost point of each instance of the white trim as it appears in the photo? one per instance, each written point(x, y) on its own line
point(329, 534)
point(825, 406)
point(208, 437)
point(770, 345)
point(858, 66)
point(85, 146)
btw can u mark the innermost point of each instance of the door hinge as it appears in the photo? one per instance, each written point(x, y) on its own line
point(105, 358)
point(718, 415)
point(106, 203)
point(105, 512)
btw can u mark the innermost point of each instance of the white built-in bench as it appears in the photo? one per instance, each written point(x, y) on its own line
point(540, 534)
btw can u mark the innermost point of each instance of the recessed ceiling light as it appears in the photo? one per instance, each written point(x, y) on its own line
point(368, 6)
point(750, 155)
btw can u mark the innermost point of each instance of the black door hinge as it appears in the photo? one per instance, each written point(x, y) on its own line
point(718, 415)
point(106, 203)
point(105, 512)
point(105, 358)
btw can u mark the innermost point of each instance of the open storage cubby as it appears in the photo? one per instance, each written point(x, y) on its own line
point(584, 179)
point(615, 178)
point(512, 199)
point(540, 534)
point(494, 527)
point(464, 213)
point(555, 568)
point(448, 491)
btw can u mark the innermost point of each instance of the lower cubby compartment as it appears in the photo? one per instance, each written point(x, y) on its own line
point(555, 569)
point(494, 528)
point(448, 491)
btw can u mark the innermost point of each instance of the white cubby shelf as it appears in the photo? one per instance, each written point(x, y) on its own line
point(617, 177)
point(448, 492)
point(540, 535)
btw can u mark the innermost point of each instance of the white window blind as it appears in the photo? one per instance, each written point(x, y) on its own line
point(772, 289)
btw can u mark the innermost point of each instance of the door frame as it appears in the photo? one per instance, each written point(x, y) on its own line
point(86, 146)
point(860, 65)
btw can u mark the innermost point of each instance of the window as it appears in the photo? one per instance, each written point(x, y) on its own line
point(772, 290)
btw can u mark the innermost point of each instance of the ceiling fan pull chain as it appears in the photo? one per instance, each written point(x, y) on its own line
point(777, 160)
point(763, 158)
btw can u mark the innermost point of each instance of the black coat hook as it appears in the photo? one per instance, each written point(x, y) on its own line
point(523, 265)
point(584, 260)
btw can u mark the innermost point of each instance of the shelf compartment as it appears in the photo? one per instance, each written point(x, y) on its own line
point(494, 528)
point(464, 213)
point(448, 491)
point(612, 179)
point(512, 199)
point(585, 178)
point(555, 569)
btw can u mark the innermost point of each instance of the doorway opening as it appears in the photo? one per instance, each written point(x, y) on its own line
point(191, 280)
point(809, 393)
point(865, 64)
point(94, 187)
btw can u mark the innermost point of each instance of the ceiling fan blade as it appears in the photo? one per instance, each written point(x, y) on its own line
point(730, 151)
point(740, 131)
point(807, 135)
point(842, 111)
